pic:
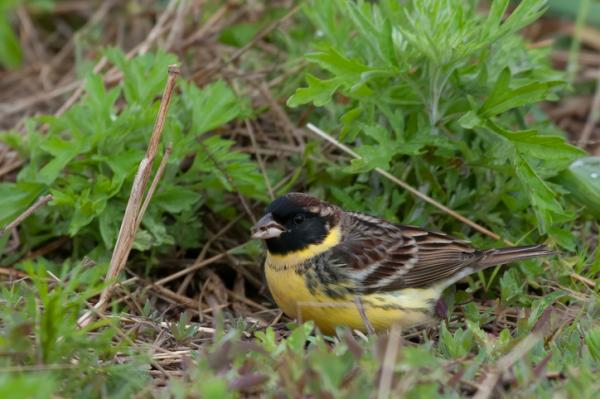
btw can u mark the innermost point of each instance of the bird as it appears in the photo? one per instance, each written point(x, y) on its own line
point(341, 268)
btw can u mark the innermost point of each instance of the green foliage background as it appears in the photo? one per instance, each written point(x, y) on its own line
point(435, 92)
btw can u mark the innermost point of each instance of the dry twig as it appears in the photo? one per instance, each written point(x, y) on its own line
point(38, 204)
point(389, 361)
point(135, 206)
point(196, 266)
point(406, 186)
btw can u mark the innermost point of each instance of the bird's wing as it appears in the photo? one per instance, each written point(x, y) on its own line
point(381, 256)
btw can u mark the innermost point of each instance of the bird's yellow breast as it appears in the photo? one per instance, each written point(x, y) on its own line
point(407, 307)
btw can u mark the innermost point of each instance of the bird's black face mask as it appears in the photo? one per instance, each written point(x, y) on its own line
point(288, 227)
point(302, 230)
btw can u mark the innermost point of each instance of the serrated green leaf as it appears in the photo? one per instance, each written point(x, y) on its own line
point(213, 106)
point(543, 199)
point(371, 157)
point(175, 199)
point(17, 197)
point(109, 222)
point(144, 76)
point(470, 120)
point(318, 92)
point(298, 337)
point(531, 143)
point(100, 99)
point(503, 97)
point(86, 208)
point(143, 240)
point(380, 155)
point(337, 64)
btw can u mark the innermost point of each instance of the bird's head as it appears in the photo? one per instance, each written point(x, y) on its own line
point(295, 222)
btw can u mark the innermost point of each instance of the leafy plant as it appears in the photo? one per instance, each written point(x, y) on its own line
point(39, 332)
point(442, 94)
point(10, 48)
point(11, 53)
point(88, 157)
point(439, 94)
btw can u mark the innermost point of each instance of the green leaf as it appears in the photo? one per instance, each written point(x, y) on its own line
point(143, 240)
point(124, 163)
point(222, 168)
point(470, 120)
point(238, 35)
point(30, 386)
point(318, 92)
point(350, 126)
point(297, 339)
point(144, 76)
point(592, 340)
point(531, 143)
point(101, 100)
point(582, 179)
point(563, 237)
point(109, 222)
point(543, 199)
point(511, 286)
point(338, 65)
point(503, 97)
point(50, 172)
point(213, 106)
point(371, 157)
point(175, 199)
point(457, 345)
point(17, 197)
point(214, 387)
point(10, 48)
point(154, 225)
point(380, 155)
point(332, 368)
point(87, 206)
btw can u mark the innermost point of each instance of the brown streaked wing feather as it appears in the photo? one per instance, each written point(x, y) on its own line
point(381, 256)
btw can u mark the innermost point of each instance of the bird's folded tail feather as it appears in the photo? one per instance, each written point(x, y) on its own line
point(500, 256)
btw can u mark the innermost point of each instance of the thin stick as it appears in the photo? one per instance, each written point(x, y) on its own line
point(216, 66)
point(591, 283)
point(263, 32)
point(6, 169)
point(195, 266)
point(141, 48)
point(261, 164)
point(11, 273)
point(133, 211)
point(180, 299)
point(38, 204)
point(389, 361)
point(154, 184)
point(406, 186)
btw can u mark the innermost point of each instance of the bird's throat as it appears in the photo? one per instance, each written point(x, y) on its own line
point(298, 257)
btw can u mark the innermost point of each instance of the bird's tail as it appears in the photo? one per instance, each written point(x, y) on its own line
point(500, 256)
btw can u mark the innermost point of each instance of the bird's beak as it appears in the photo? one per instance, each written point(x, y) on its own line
point(267, 228)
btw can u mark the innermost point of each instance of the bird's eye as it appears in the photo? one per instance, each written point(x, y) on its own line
point(298, 219)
